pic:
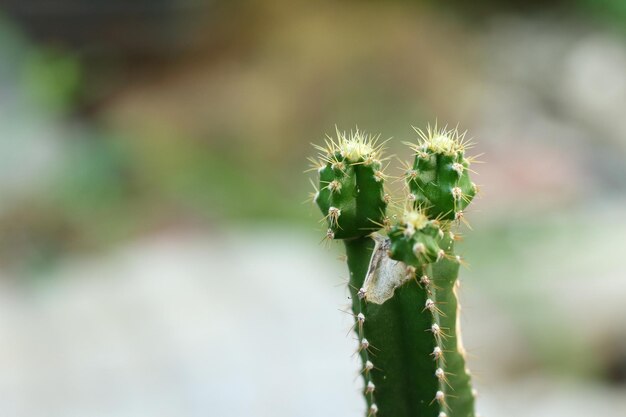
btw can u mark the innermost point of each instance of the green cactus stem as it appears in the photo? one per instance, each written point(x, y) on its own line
point(428, 245)
point(439, 179)
point(351, 182)
point(352, 199)
point(403, 287)
point(402, 370)
point(461, 396)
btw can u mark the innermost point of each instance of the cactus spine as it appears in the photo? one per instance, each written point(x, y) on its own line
point(404, 286)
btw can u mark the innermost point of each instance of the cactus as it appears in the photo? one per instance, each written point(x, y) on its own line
point(351, 186)
point(403, 286)
point(439, 180)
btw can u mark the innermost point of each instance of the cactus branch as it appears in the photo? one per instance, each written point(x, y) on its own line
point(397, 329)
point(461, 398)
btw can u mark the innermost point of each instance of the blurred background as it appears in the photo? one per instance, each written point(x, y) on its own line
point(156, 258)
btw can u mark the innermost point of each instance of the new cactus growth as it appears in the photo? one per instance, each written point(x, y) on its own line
point(403, 286)
point(439, 180)
point(351, 186)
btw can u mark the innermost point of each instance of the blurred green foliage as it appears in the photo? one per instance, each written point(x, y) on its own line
point(612, 12)
point(52, 78)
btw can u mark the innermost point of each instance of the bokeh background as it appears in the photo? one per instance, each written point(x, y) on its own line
point(156, 256)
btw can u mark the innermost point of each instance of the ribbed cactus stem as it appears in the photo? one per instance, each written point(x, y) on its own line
point(460, 400)
point(439, 180)
point(416, 242)
point(351, 182)
point(358, 253)
point(397, 334)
